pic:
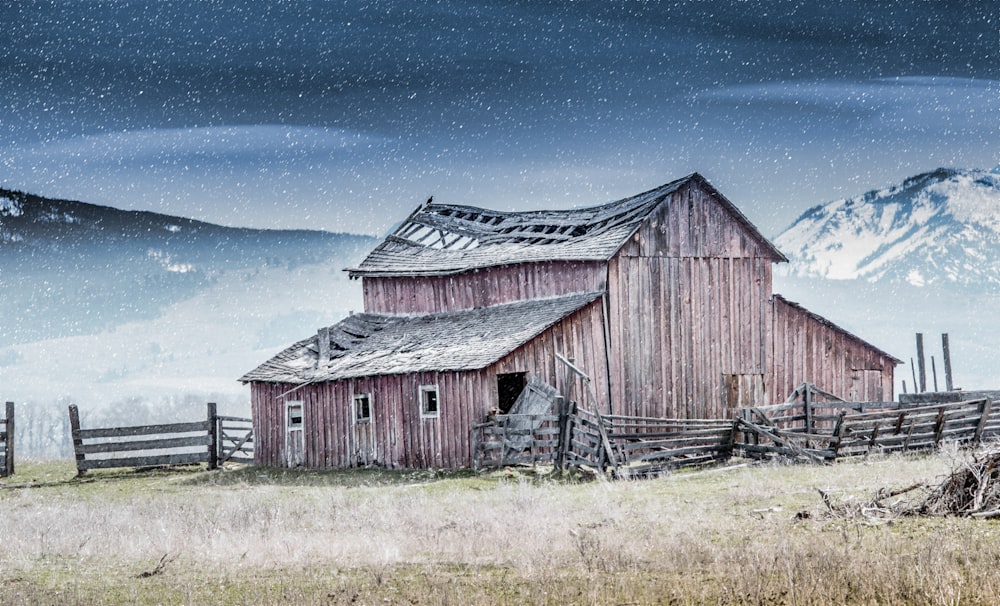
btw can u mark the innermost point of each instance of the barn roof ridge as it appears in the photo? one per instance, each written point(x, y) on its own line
point(440, 239)
point(369, 344)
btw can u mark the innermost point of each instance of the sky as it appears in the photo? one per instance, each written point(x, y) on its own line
point(346, 115)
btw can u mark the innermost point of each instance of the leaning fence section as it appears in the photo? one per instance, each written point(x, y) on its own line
point(145, 445)
point(649, 446)
point(519, 439)
point(7, 441)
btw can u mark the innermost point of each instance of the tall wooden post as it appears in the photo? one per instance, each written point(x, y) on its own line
point(560, 405)
point(934, 373)
point(213, 436)
point(946, 350)
point(74, 428)
point(921, 364)
point(8, 445)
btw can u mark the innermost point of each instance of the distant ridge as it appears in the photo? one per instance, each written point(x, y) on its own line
point(70, 268)
point(936, 228)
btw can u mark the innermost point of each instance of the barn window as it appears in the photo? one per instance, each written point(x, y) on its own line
point(362, 408)
point(293, 414)
point(509, 387)
point(428, 400)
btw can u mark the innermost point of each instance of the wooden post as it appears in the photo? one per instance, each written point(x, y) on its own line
point(807, 407)
point(74, 425)
point(983, 419)
point(8, 444)
point(934, 374)
point(913, 371)
point(946, 350)
point(939, 426)
point(921, 363)
point(560, 405)
point(213, 436)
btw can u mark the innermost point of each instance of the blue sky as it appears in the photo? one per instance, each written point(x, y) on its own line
point(346, 115)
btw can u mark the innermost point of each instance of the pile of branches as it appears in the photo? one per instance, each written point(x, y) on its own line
point(972, 489)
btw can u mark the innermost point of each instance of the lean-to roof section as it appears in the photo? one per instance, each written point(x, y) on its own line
point(442, 239)
point(366, 345)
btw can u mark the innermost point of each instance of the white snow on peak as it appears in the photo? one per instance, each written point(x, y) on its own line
point(172, 228)
point(938, 227)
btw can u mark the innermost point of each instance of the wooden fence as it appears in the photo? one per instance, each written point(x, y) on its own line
point(519, 439)
point(235, 439)
point(826, 428)
point(159, 445)
point(812, 425)
point(7, 441)
point(629, 446)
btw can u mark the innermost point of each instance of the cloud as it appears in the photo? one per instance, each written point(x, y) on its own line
point(219, 144)
point(901, 104)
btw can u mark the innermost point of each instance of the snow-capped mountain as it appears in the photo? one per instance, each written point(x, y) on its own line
point(938, 228)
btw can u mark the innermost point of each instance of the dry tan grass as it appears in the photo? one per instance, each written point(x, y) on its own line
point(753, 535)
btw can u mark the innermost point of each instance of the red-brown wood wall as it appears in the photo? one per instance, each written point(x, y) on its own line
point(807, 350)
point(397, 435)
point(481, 288)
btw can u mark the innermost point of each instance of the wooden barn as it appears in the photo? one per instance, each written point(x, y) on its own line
point(664, 299)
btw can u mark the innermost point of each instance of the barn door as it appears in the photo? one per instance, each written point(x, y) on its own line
point(294, 440)
point(742, 391)
point(866, 386)
point(364, 430)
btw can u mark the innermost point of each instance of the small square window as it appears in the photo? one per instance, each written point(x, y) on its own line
point(293, 414)
point(428, 400)
point(362, 408)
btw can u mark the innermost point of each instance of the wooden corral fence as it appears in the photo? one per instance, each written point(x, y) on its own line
point(812, 425)
point(7, 441)
point(815, 425)
point(159, 445)
point(575, 437)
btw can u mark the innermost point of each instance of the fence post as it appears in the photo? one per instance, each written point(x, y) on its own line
point(983, 420)
point(8, 444)
point(560, 403)
point(74, 425)
point(213, 436)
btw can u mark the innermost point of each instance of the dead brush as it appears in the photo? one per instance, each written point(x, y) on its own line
point(971, 489)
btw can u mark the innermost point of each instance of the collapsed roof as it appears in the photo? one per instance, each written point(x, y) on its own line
point(439, 239)
point(371, 344)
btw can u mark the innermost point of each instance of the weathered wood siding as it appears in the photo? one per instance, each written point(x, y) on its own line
point(397, 435)
point(480, 288)
point(806, 349)
point(688, 309)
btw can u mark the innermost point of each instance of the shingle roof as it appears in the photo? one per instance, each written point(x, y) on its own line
point(441, 239)
point(370, 344)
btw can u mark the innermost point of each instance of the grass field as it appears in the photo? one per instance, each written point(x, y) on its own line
point(749, 535)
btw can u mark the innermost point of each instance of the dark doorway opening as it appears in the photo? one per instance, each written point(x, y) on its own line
point(509, 386)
